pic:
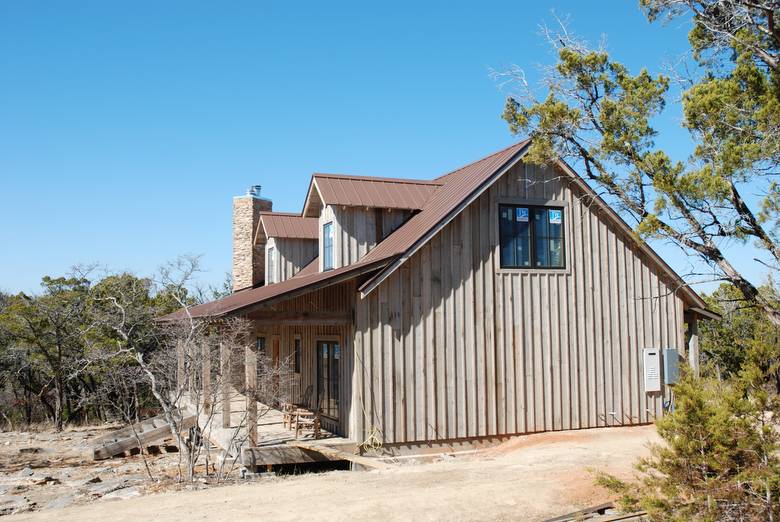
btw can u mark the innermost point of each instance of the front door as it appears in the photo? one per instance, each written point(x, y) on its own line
point(328, 377)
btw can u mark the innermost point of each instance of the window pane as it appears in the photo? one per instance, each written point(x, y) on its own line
point(523, 251)
point(271, 266)
point(555, 218)
point(334, 380)
point(260, 345)
point(540, 222)
point(297, 356)
point(327, 246)
point(542, 251)
point(556, 253)
point(506, 235)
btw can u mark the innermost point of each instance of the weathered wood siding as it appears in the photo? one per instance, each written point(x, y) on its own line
point(291, 256)
point(355, 230)
point(452, 346)
point(337, 298)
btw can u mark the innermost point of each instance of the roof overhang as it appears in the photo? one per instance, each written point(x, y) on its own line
point(245, 301)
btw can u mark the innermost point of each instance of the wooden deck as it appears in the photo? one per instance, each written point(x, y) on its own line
point(275, 445)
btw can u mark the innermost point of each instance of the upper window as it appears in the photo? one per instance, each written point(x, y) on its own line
point(271, 266)
point(531, 237)
point(327, 246)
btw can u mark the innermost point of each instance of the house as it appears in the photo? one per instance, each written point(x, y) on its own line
point(501, 298)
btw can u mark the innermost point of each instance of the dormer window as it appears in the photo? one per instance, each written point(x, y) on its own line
point(327, 246)
point(271, 276)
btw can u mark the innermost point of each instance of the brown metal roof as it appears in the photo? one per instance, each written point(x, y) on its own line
point(437, 201)
point(285, 225)
point(458, 186)
point(360, 191)
point(312, 268)
point(266, 294)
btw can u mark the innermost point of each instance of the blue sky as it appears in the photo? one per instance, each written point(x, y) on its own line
point(127, 127)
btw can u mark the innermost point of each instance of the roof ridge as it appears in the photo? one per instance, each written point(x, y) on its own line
point(378, 179)
point(521, 142)
point(274, 213)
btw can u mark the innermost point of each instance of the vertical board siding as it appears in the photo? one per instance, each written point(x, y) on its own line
point(339, 297)
point(452, 346)
point(355, 230)
point(291, 255)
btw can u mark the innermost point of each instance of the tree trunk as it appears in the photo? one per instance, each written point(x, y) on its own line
point(59, 406)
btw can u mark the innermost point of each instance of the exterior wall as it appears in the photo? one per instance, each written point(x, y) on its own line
point(452, 346)
point(248, 254)
point(291, 255)
point(338, 298)
point(355, 230)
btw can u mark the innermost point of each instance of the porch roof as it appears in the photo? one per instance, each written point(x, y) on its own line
point(243, 300)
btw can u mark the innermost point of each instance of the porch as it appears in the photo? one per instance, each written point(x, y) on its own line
point(256, 436)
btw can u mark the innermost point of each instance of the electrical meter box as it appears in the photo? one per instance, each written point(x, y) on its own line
point(652, 358)
point(671, 366)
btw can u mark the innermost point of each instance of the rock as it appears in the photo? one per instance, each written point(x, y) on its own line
point(30, 450)
point(45, 481)
point(122, 494)
point(109, 486)
point(26, 472)
point(60, 502)
point(10, 504)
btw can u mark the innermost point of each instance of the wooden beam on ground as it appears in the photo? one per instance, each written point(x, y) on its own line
point(337, 454)
point(205, 364)
point(224, 372)
point(250, 370)
point(145, 436)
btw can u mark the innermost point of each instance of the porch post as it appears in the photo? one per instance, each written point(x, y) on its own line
point(224, 372)
point(693, 344)
point(250, 369)
point(181, 374)
point(205, 352)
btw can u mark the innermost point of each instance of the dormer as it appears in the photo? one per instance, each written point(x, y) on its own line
point(290, 245)
point(355, 213)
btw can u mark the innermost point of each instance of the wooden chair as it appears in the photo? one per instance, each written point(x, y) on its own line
point(308, 420)
point(291, 410)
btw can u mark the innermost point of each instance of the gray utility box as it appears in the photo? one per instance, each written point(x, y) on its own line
point(671, 366)
point(652, 359)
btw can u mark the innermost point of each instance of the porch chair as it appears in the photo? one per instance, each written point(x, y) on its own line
point(290, 409)
point(305, 419)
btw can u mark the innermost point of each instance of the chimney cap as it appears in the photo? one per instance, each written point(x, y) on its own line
point(254, 190)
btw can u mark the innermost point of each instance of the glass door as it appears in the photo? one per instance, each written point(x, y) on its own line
point(328, 359)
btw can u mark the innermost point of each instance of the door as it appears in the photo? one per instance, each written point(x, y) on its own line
point(328, 377)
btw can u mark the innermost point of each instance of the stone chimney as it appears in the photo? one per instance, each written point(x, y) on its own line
point(248, 254)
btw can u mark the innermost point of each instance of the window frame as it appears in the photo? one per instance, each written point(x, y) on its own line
point(297, 348)
point(327, 263)
point(564, 206)
point(261, 347)
point(271, 265)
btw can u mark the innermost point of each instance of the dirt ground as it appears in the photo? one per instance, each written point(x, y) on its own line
point(528, 478)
